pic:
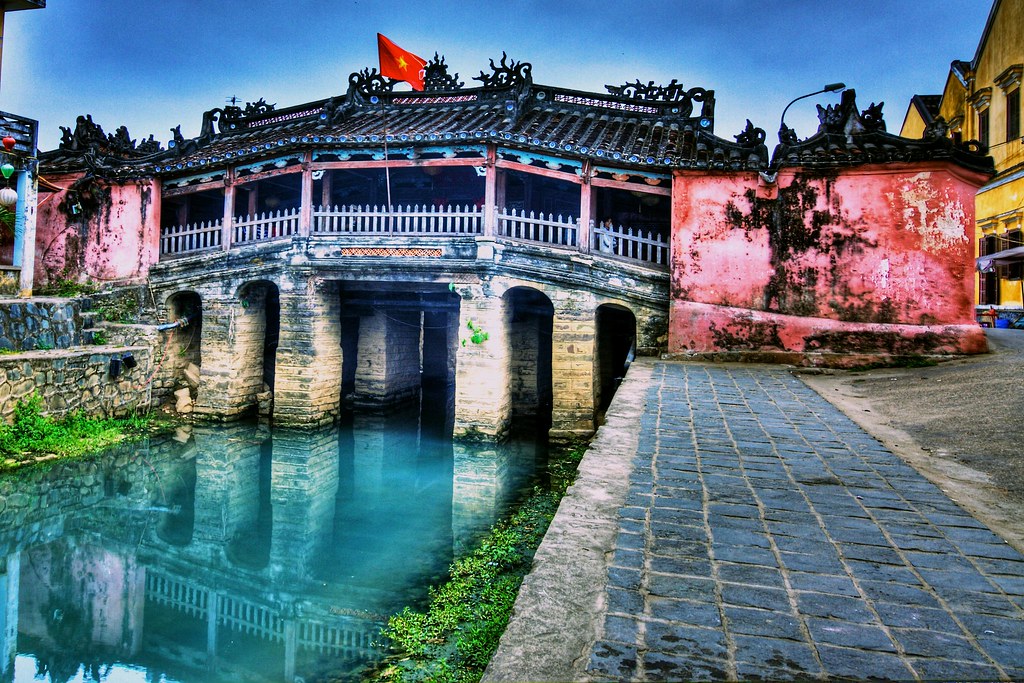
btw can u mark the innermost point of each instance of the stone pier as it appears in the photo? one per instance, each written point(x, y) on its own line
point(308, 369)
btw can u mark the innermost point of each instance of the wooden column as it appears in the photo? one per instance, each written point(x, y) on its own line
point(491, 193)
point(586, 209)
point(229, 209)
point(306, 210)
point(326, 187)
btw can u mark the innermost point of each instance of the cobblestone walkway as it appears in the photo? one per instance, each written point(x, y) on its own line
point(765, 535)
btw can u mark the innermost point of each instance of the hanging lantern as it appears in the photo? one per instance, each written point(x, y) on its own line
point(8, 197)
point(9, 142)
point(7, 169)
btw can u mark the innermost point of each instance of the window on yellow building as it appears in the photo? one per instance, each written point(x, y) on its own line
point(1013, 115)
point(983, 127)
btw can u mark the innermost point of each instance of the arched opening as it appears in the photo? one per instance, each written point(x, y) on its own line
point(398, 345)
point(250, 545)
point(616, 347)
point(257, 333)
point(183, 346)
point(531, 318)
point(177, 497)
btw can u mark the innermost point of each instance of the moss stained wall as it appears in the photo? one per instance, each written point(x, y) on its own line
point(113, 237)
point(824, 258)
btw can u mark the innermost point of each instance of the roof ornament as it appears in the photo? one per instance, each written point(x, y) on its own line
point(844, 119)
point(507, 75)
point(751, 136)
point(871, 117)
point(257, 108)
point(370, 82)
point(671, 93)
point(936, 129)
point(88, 136)
point(437, 78)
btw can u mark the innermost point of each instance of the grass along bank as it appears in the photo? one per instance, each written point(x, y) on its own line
point(453, 639)
point(34, 436)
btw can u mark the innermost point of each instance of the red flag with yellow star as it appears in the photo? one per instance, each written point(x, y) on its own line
point(400, 64)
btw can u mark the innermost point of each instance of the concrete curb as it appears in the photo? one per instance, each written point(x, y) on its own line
point(560, 610)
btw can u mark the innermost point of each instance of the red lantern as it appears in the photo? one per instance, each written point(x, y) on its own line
point(9, 142)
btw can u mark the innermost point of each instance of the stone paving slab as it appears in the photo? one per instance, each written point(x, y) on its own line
point(766, 536)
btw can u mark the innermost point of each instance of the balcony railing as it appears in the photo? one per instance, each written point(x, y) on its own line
point(634, 245)
point(517, 225)
point(180, 240)
point(408, 220)
point(265, 227)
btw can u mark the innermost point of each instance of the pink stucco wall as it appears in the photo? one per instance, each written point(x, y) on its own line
point(117, 242)
point(104, 592)
point(873, 259)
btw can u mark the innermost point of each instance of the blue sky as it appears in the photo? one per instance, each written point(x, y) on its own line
point(154, 64)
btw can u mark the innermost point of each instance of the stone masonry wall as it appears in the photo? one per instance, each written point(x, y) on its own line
point(523, 366)
point(40, 323)
point(74, 380)
point(165, 375)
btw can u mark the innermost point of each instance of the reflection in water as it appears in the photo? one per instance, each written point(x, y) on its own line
point(239, 553)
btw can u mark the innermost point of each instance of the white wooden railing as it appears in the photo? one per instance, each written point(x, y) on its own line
point(561, 231)
point(243, 616)
point(177, 595)
point(407, 220)
point(341, 635)
point(265, 227)
point(633, 244)
point(636, 245)
point(189, 239)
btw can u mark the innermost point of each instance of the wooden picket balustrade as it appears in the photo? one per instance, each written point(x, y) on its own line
point(646, 247)
point(265, 227)
point(631, 244)
point(180, 240)
point(407, 220)
point(519, 225)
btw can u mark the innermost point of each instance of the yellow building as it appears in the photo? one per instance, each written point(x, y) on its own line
point(982, 102)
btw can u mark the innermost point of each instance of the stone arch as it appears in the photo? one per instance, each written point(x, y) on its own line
point(177, 497)
point(257, 334)
point(616, 342)
point(248, 545)
point(530, 323)
point(183, 347)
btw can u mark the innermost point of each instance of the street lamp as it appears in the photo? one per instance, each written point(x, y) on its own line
point(831, 87)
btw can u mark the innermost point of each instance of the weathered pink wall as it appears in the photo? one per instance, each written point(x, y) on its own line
point(106, 592)
point(118, 242)
point(873, 259)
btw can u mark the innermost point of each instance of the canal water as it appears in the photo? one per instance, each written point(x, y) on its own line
point(240, 553)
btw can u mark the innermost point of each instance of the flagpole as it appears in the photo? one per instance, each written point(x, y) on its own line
point(387, 167)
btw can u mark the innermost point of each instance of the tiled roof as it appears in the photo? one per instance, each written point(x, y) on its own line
point(632, 126)
point(848, 137)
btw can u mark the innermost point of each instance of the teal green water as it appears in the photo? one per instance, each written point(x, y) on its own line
point(237, 553)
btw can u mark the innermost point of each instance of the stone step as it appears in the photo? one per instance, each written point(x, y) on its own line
point(89, 334)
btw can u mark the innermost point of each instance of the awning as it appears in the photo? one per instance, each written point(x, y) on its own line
point(987, 263)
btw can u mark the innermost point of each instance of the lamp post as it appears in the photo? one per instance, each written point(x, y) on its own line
point(831, 87)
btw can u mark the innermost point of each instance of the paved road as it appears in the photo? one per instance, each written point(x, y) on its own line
point(758, 533)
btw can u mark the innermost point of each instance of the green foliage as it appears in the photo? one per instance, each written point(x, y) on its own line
point(455, 638)
point(43, 345)
point(479, 335)
point(32, 433)
point(6, 221)
point(67, 288)
point(99, 337)
point(121, 308)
